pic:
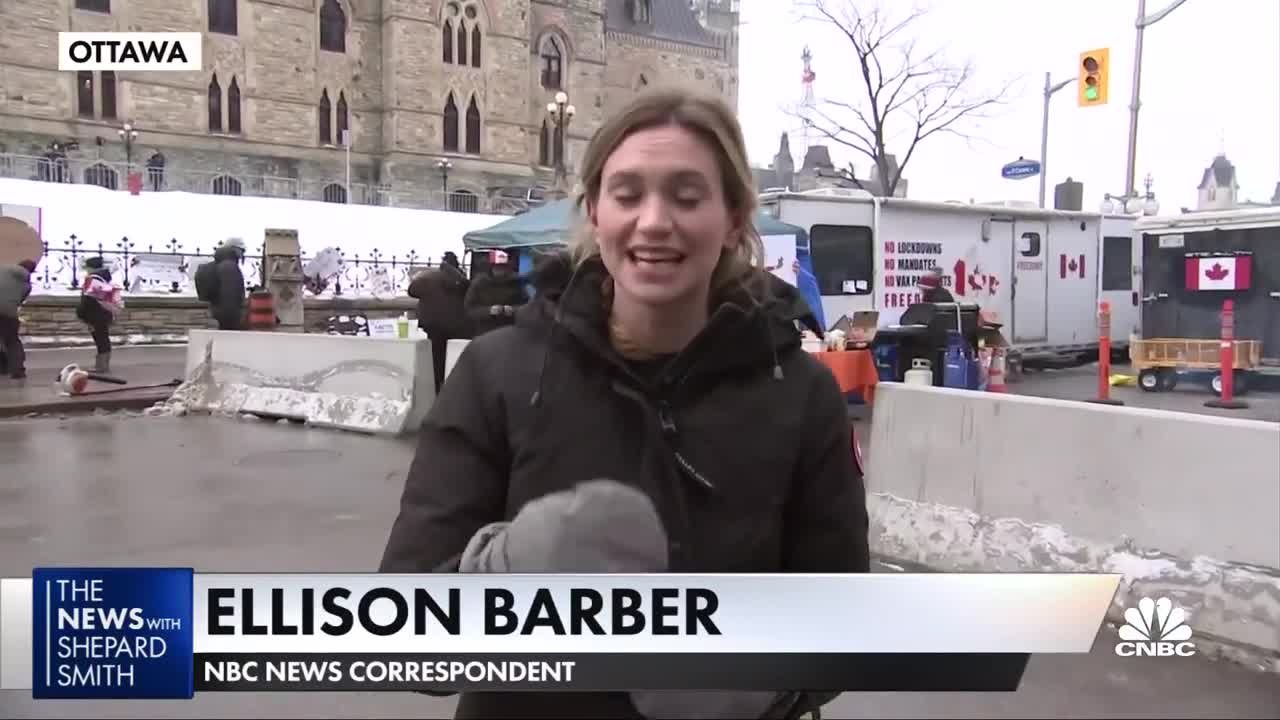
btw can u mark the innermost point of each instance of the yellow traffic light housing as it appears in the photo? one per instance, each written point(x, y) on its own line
point(1095, 72)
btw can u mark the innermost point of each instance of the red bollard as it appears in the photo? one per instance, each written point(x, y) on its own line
point(1104, 357)
point(1227, 361)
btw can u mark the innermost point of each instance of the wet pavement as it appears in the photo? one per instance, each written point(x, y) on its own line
point(224, 494)
point(141, 367)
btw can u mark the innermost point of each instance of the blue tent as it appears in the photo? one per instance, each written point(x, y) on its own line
point(548, 226)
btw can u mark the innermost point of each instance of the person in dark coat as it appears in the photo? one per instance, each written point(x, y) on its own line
point(98, 307)
point(654, 358)
point(229, 308)
point(440, 293)
point(494, 295)
point(15, 288)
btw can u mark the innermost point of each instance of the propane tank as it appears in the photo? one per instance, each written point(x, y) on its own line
point(921, 373)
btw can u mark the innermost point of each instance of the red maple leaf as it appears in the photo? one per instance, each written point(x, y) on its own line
point(992, 284)
point(1217, 272)
point(1072, 266)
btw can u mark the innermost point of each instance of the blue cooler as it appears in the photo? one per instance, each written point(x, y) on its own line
point(886, 359)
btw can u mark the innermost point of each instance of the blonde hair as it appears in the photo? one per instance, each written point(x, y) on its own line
point(709, 118)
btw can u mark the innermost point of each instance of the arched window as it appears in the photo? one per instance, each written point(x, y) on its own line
point(325, 112)
point(552, 61)
point(446, 41)
point(342, 118)
point(101, 175)
point(475, 46)
point(333, 27)
point(463, 201)
point(473, 127)
point(84, 93)
point(450, 125)
point(226, 185)
point(233, 107)
point(544, 145)
point(335, 193)
point(222, 16)
point(462, 43)
point(640, 10)
point(215, 105)
point(155, 171)
point(108, 81)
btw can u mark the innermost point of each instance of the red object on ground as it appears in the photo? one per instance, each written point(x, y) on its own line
point(1104, 356)
point(1228, 356)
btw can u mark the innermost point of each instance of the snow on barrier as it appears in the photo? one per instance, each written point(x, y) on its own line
point(1184, 506)
point(374, 385)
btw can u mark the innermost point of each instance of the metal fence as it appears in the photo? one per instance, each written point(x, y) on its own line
point(83, 168)
point(170, 269)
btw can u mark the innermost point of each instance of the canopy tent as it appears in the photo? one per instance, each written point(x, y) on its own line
point(549, 226)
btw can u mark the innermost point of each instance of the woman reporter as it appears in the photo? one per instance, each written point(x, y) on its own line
point(654, 354)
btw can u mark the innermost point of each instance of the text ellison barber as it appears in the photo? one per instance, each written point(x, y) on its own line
point(581, 611)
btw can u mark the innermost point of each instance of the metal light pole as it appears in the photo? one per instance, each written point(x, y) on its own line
point(1049, 90)
point(346, 143)
point(561, 114)
point(444, 166)
point(1141, 24)
point(128, 134)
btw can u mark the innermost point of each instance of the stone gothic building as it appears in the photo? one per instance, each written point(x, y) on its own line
point(434, 93)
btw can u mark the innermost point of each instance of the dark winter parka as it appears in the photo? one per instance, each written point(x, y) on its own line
point(741, 440)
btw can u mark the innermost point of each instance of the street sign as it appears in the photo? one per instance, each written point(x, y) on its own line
point(1019, 169)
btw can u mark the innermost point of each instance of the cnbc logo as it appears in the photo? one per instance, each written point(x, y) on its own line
point(131, 51)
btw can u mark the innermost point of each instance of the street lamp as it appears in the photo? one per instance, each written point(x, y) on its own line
point(1141, 24)
point(1049, 90)
point(561, 114)
point(443, 165)
point(128, 134)
point(1132, 203)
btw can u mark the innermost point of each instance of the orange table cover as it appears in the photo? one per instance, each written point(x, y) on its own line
point(855, 370)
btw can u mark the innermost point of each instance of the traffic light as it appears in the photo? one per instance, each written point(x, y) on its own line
point(1095, 71)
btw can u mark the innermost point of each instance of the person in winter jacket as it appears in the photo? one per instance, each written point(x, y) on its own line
point(494, 295)
point(931, 289)
point(440, 293)
point(228, 306)
point(656, 360)
point(15, 288)
point(99, 304)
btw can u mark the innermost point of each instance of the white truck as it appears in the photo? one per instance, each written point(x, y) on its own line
point(1041, 272)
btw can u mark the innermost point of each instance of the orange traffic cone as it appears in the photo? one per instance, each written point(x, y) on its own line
point(995, 376)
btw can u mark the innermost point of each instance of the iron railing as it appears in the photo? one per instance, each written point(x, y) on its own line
point(84, 168)
point(170, 269)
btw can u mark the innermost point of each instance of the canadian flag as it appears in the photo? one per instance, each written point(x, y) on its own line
point(1070, 265)
point(1219, 273)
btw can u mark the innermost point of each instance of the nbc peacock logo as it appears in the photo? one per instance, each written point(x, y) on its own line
point(1155, 629)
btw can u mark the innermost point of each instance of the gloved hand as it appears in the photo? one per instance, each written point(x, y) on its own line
point(601, 526)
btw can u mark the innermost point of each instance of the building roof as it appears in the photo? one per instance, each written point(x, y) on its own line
point(670, 20)
point(1222, 172)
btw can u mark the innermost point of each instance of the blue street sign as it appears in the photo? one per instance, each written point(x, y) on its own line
point(1019, 169)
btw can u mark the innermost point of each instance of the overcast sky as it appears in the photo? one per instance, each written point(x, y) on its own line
point(1210, 79)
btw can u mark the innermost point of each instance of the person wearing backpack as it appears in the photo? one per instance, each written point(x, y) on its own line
point(221, 284)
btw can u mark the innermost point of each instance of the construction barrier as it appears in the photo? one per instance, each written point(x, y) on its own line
point(1227, 362)
point(1181, 504)
point(376, 385)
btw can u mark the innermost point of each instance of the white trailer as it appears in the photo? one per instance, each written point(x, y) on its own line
point(1037, 270)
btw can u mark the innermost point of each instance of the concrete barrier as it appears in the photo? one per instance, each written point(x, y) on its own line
point(376, 385)
point(1185, 506)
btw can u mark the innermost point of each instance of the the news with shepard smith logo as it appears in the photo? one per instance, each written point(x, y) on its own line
point(131, 51)
point(114, 633)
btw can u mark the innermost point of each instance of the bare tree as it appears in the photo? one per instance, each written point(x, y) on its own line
point(901, 95)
